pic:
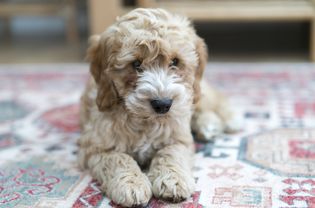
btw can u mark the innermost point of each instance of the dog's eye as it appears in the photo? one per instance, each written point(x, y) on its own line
point(137, 65)
point(174, 62)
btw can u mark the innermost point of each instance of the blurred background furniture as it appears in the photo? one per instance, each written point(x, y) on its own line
point(215, 11)
point(64, 8)
point(33, 31)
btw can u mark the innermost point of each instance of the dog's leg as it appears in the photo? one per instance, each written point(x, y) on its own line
point(206, 125)
point(232, 121)
point(120, 178)
point(213, 115)
point(205, 122)
point(171, 173)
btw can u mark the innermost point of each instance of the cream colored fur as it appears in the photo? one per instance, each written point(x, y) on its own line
point(120, 130)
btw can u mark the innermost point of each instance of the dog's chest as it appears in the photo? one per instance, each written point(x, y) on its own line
point(144, 153)
point(149, 143)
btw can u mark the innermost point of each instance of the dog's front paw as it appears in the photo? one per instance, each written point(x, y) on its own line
point(207, 126)
point(173, 186)
point(130, 189)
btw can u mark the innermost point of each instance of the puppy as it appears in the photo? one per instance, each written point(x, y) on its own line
point(141, 103)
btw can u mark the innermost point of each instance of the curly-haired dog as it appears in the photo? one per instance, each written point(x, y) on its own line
point(138, 106)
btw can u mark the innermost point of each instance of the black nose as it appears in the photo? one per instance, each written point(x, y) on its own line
point(161, 106)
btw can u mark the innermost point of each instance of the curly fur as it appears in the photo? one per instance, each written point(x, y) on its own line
point(120, 130)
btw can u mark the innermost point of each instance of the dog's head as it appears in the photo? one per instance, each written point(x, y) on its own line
point(149, 60)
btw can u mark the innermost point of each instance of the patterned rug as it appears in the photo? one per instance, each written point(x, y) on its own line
point(270, 163)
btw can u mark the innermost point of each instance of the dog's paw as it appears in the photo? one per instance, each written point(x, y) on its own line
point(130, 190)
point(208, 126)
point(209, 132)
point(173, 186)
point(234, 124)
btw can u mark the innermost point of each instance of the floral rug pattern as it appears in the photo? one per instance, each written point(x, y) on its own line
point(270, 163)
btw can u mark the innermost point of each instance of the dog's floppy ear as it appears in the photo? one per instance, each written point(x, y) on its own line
point(202, 53)
point(96, 55)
